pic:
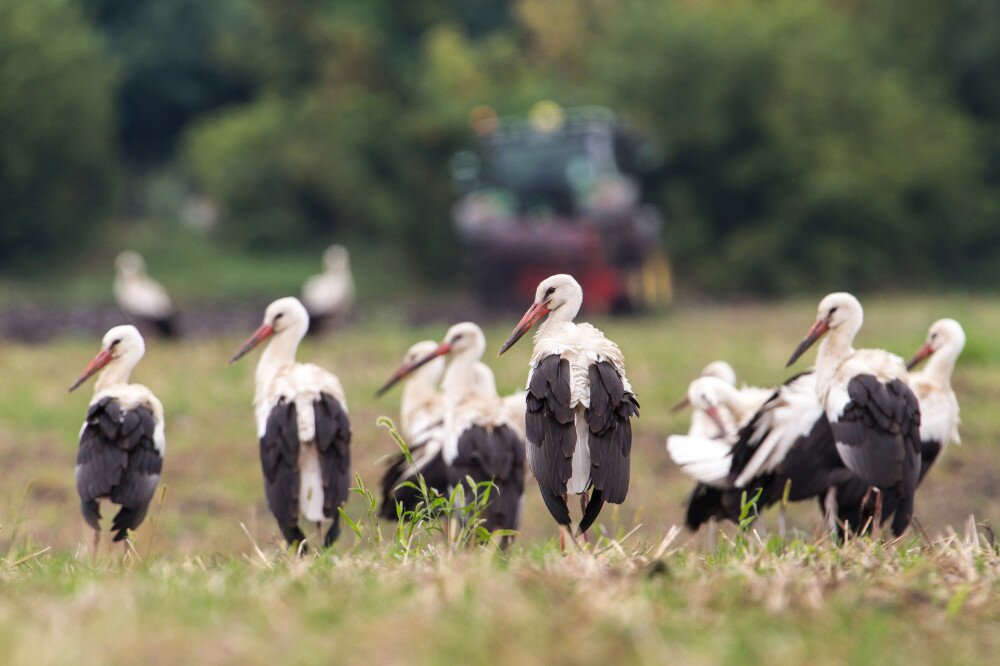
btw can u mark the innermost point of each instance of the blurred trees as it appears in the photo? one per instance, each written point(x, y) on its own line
point(57, 160)
point(807, 144)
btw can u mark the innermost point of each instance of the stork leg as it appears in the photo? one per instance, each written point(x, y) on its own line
point(96, 544)
point(782, 523)
point(711, 534)
point(319, 532)
point(830, 509)
point(877, 520)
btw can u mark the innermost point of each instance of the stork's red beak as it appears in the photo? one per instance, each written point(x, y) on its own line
point(407, 369)
point(262, 333)
point(814, 334)
point(713, 413)
point(922, 353)
point(530, 318)
point(102, 359)
point(683, 404)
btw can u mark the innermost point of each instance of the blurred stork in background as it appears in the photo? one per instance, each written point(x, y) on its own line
point(329, 296)
point(873, 413)
point(122, 440)
point(578, 408)
point(302, 424)
point(142, 298)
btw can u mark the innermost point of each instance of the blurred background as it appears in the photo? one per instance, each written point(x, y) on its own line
point(761, 148)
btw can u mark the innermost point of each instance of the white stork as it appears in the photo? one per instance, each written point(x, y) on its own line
point(141, 297)
point(480, 439)
point(302, 424)
point(579, 406)
point(122, 440)
point(938, 405)
point(874, 416)
point(422, 425)
point(329, 296)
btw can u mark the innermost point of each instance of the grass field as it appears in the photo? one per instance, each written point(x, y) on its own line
point(209, 583)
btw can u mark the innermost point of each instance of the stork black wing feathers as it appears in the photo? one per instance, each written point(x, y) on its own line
point(279, 459)
point(551, 432)
point(117, 460)
point(496, 455)
point(333, 443)
point(435, 474)
point(608, 418)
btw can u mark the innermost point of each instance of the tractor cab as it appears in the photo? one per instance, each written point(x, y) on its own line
point(558, 192)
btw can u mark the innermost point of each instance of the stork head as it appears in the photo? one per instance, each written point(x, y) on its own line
point(944, 335)
point(336, 258)
point(840, 312)
point(708, 394)
point(720, 370)
point(414, 361)
point(559, 296)
point(130, 262)
point(121, 345)
point(284, 317)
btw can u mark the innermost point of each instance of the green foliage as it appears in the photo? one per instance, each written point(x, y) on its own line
point(56, 151)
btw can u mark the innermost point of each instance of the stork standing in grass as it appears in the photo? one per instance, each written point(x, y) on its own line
point(578, 408)
point(939, 413)
point(329, 296)
point(143, 298)
point(873, 414)
point(302, 424)
point(481, 440)
point(122, 440)
point(422, 425)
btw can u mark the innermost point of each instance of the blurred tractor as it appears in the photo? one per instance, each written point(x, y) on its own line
point(559, 193)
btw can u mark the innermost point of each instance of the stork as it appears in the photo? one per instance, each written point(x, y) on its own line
point(329, 296)
point(705, 453)
point(422, 424)
point(141, 297)
point(938, 405)
point(873, 414)
point(480, 439)
point(578, 408)
point(121, 441)
point(302, 425)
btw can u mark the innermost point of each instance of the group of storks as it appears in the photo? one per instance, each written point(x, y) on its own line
point(858, 432)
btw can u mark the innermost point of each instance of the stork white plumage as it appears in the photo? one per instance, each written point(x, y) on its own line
point(422, 425)
point(329, 296)
point(122, 440)
point(141, 297)
point(302, 425)
point(705, 453)
point(939, 413)
point(874, 416)
point(578, 408)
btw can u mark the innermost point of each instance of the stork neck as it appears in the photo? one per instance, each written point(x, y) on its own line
point(563, 314)
point(115, 373)
point(279, 353)
point(833, 350)
point(941, 364)
point(418, 390)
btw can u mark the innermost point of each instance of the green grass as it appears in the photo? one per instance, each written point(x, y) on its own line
point(201, 588)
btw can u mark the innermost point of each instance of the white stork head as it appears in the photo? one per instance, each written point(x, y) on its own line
point(336, 259)
point(465, 339)
point(559, 297)
point(708, 394)
point(414, 363)
point(130, 263)
point(720, 370)
point(945, 339)
point(121, 349)
point(839, 312)
point(285, 319)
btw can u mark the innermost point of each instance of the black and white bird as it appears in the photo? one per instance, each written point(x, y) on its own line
point(302, 425)
point(141, 297)
point(578, 408)
point(873, 414)
point(422, 426)
point(939, 413)
point(122, 440)
point(329, 296)
point(481, 439)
